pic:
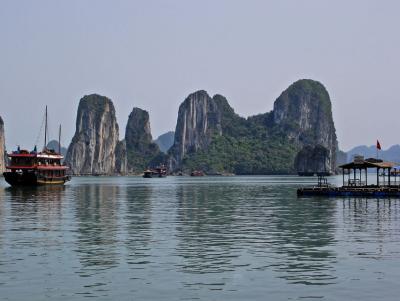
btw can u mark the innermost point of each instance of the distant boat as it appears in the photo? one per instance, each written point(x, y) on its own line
point(158, 172)
point(36, 168)
point(148, 173)
point(306, 174)
point(197, 173)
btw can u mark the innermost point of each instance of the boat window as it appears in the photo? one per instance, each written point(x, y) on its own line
point(22, 161)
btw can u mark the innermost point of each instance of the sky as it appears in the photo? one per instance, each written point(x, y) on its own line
point(152, 54)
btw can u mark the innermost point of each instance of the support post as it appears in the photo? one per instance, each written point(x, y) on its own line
point(343, 175)
point(384, 176)
point(377, 177)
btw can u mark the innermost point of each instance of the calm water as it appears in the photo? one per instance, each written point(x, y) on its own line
point(211, 238)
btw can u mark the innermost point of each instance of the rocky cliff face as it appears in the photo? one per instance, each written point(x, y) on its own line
point(2, 147)
point(303, 114)
point(210, 136)
point(121, 164)
point(199, 119)
point(313, 159)
point(92, 150)
point(140, 149)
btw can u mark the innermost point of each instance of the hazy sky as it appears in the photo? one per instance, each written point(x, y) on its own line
point(152, 54)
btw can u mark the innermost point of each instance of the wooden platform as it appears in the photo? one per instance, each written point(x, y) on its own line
point(371, 191)
point(357, 181)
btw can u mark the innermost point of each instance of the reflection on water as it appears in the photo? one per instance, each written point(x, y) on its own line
point(2, 228)
point(205, 234)
point(205, 238)
point(293, 237)
point(36, 209)
point(97, 230)
point(374, 220)
point(304, 235)
point(138, 225)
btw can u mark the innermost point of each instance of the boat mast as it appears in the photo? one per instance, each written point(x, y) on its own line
point(59, 140)
point(45, 130)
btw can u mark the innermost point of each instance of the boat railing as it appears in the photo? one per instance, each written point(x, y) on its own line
point(49, 178)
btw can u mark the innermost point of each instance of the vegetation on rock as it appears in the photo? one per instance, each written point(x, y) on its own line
point(211, 137)
point(266, 143)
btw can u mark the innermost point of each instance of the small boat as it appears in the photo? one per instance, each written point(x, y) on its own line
point(306, 174)
point(197, 173)
point(32, 168)
point(158, 172)
point(148, 173)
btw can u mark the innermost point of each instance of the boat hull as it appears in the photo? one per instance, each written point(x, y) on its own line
point(31, 179)
point(154, 176)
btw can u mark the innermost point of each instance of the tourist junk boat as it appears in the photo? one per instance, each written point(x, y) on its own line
point(355, 180)
point(36, 168)
point(158, 172)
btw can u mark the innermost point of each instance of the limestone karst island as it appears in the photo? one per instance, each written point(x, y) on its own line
point(297, 137)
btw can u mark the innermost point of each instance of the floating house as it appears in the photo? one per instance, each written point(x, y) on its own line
point(355, 180)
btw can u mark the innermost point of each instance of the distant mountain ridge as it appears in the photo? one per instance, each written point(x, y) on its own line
point(391, 154)
point(53, 144)
point(165, 141)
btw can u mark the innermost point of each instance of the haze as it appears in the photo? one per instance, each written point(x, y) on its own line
point(152, 54)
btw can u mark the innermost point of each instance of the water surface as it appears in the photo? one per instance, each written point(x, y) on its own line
point(205, 238)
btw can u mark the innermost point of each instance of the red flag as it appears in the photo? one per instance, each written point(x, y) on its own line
point(378, 145)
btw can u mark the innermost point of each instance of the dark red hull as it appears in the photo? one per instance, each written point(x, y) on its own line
point(30, 178)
